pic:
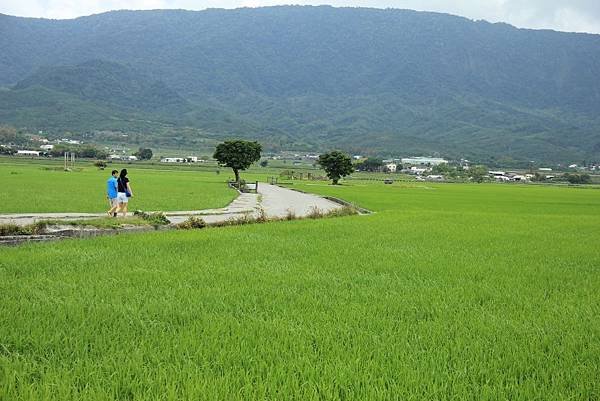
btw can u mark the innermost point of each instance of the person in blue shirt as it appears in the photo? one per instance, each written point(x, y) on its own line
point(111, 193)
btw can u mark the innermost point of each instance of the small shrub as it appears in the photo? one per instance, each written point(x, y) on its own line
point(290, 215)
point(192, 223)
point(37, 228)
point(315, 213)
point(236, 221)
point(342, 212)
point(10, 229)
point(30, 229)
point(155, 219)
point(262, 216)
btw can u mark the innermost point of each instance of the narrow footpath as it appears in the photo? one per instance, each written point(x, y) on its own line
point(272, 200)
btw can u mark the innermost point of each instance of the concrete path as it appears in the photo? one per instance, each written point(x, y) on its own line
point(278, 202)
point(273, 200)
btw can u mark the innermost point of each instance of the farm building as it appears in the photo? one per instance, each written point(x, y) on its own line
point(423, 161)
point(188, 159)
point(172, 160)
point(28, 153)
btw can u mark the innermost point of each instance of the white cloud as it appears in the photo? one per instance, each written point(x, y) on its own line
point(574, 15)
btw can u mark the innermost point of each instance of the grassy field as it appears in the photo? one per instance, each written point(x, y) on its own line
point(447, 292)
point(45, 187)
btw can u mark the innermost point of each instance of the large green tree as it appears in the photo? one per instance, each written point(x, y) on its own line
point(372, 164)
point(336, 164)
point(478, 173)
point(144, 153)
point(238, 155)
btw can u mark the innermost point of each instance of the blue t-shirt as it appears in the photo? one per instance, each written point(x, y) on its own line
point(111, 187)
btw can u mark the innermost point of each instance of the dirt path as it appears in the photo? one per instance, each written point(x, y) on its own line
point(274, 200)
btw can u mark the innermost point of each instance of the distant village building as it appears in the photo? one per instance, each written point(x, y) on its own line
point(417, 171)
point(123, 157)
point(47, 147)
point(171, 160)
point(28, 153)
point(423, 161)
point(188, 159)
point(391, 167)
point(496, 173)
point(69, 141)
point(545, 169)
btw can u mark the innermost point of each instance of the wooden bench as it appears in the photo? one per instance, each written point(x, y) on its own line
point(247, 187)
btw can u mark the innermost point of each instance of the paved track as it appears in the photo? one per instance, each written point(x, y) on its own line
point(273, 200)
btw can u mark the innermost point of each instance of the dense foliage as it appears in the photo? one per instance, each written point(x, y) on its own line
point(238, 155)
point(574, 178)
point(144, 153)
point(364, 80)
point(371, 164)
point(336, 164)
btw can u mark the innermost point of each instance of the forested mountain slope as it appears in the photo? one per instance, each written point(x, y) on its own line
point(379, 81)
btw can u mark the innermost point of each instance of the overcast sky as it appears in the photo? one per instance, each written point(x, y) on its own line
point(562, 15)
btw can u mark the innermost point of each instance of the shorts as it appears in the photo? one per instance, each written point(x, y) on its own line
point(122, 197)
point(113, 202)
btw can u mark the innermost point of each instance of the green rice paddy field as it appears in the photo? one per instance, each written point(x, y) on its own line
point(46, 187)
point(447, 292)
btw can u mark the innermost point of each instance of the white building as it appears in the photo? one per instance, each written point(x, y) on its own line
point(391, 167)
point(47, 147)
point(423, 161)
point(417, 170)
point(172, 160)
point(28, 153)
point(497, 173)
point(187, 159)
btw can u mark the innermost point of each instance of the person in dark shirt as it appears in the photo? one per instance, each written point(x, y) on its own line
point(124, 192)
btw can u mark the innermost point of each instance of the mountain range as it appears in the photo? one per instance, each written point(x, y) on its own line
point(364, 80)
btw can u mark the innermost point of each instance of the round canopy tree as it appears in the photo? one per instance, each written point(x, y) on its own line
point(144, 153)
point(336, 164)
point(238, 155)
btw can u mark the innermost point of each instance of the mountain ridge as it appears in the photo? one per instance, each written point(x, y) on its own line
point(358, 78)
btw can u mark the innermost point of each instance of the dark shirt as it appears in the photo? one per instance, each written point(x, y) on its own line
point(123, 184)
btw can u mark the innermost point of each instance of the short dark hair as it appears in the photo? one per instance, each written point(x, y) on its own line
point(114, 172)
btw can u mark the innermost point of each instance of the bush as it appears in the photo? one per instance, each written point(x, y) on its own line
point(192, 223)
point(156, 219)
point(577, 178)
point(31, 229)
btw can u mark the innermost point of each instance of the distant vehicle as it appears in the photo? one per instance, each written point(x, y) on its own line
point(388, 181)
